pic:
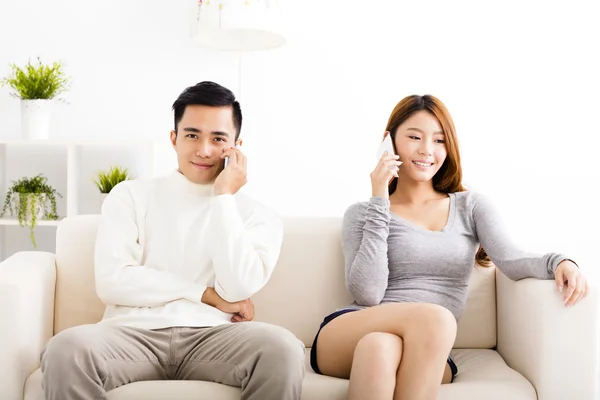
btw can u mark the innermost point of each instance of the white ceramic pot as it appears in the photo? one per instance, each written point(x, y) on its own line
point(102, 198)
point(35, 119)
point(40, 213)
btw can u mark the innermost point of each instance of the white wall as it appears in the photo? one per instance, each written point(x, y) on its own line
point(520, 78)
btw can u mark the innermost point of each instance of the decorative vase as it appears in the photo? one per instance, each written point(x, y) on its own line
point(35, 119)
point(39, 206)
point(102, 198)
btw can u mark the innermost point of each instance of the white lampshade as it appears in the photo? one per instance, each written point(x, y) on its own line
point(238, 24)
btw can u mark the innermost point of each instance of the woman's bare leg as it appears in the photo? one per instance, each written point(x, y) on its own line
point(374, 367)
point(427, 331)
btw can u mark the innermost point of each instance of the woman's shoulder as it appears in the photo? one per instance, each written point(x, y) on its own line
point(359, 209)
point(470, 195)
point(470, 200)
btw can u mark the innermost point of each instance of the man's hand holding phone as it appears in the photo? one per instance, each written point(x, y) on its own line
point(233, 176)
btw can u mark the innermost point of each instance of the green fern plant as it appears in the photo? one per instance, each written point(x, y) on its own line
point(31, 196)
point(106, 180)
point(40, 81)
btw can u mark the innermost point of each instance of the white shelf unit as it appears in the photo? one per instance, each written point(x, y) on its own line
point(73, 151)
point(12, 221)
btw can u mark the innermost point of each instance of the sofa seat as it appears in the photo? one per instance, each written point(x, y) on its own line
point(522, 323)
point(482, 375)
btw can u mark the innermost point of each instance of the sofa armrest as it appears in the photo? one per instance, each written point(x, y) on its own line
point(552, 346)
point(27, 282)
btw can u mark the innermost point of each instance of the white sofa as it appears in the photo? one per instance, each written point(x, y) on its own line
point(516, 340)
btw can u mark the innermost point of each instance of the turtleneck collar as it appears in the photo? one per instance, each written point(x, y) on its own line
point(190, 187)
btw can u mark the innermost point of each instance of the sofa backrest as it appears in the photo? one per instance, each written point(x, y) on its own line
point(308, 282)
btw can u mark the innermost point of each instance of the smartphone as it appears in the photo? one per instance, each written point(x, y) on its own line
point(227, 160)
point(386, 145)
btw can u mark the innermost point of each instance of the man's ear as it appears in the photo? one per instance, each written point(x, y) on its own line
point(173, 138)
point(238, 143)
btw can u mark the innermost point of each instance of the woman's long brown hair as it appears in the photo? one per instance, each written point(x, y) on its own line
point(449, 178)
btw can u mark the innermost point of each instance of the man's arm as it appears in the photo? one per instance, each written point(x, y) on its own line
point(244, 253)
point(121, 279)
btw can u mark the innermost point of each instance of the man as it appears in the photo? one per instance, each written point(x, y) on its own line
point(177, 259)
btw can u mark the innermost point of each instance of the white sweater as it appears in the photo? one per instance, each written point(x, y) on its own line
point(161, 242)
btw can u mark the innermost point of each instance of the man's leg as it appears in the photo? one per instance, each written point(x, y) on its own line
point(86, 361)
point(265, 361)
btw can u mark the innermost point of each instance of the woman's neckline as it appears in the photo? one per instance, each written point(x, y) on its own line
point(447, 226)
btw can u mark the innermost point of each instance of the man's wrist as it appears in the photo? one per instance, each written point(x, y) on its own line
point(220, 192)
point(210, 297)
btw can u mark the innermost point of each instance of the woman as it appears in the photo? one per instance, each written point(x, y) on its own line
point(409, 252)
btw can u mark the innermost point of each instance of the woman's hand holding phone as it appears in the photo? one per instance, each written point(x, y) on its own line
point(384, 172)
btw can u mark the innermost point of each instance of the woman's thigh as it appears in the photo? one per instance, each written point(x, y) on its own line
point(337, 340)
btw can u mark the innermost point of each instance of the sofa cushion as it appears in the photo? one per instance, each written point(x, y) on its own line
point(308, 282)
point(482, 375)
point(76, 302)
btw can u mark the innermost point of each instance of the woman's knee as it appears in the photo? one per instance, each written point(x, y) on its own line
point(433, 325)
point(379, 349)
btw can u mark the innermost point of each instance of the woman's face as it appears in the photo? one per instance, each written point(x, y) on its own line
point(421, 145)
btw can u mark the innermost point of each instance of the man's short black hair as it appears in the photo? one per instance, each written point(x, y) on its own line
point(212, 94)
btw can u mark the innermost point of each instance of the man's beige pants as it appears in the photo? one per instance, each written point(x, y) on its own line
point(85, 362)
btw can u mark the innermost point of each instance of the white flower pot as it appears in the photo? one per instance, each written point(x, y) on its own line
point(102, 198)
point(39, 211)
point(35, 119)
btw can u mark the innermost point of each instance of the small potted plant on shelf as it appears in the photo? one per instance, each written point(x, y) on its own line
point(31, 199)
point(36, 86)
point(107, 180)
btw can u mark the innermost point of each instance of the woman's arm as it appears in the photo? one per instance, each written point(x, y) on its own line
point(505, 254)
point(364, 242)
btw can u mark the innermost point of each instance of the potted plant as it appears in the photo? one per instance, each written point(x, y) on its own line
point(106, 180)
point(31, 199)
point(36, 86)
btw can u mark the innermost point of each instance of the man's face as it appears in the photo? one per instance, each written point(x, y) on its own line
point(202, 134)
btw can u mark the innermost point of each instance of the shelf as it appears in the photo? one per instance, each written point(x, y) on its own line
point(14, 222)
point(74, 150)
